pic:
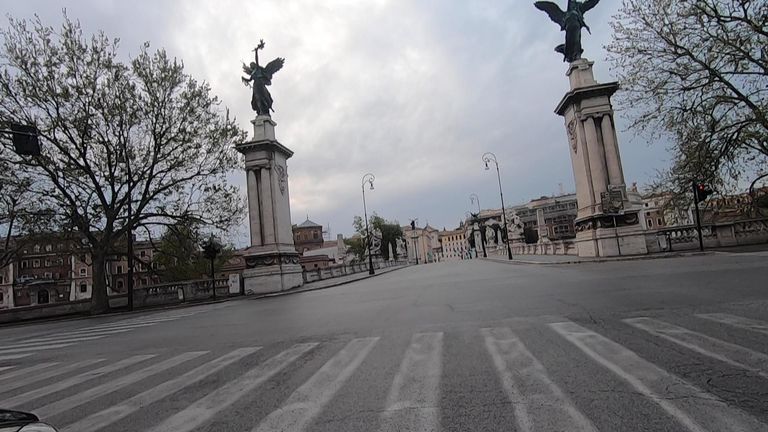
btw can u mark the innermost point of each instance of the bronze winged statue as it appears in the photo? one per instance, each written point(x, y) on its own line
point(571, 22)
point(259, 78)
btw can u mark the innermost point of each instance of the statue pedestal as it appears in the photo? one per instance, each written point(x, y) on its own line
point(607, 224)
point(272, 263)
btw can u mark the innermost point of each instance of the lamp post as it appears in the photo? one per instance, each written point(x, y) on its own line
point(211, 249)
point(473, 198)
point(487, 158)
point(368, 178)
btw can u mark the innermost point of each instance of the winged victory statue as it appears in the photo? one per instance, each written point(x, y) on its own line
point(259, 78)
point(571, 21)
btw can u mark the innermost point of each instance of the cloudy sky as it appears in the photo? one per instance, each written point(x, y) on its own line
point(414, 91)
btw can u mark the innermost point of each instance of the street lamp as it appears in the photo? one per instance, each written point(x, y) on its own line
point(473, 198)
point(368, 178)
point(211, 249)
point(487, 158)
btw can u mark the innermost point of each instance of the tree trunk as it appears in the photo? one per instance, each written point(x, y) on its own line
point(99, 298)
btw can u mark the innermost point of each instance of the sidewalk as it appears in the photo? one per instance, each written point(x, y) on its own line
point(572, 259)
point(329, 283)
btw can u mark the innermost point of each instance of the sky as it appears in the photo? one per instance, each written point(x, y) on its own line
point(413, 91)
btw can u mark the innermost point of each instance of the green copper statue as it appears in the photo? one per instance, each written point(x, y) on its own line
point(571, 22)
point(261, 77)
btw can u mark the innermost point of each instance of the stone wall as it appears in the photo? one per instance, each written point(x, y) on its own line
point(348, 269)
point(80, 307)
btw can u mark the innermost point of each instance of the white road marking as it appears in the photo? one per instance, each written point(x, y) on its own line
point(71, 381)
point(726, 352)
point(114, 385)
point(34, 348)
point(26, 371)
point(47, 374)
point(205, 408)
point(3, 368)
point(306, 402)
point(412, 404)
point(538, 402)
point(112, 414)
point(737, 321)
point(14, 356)
point(33, 343)
point(696, 410)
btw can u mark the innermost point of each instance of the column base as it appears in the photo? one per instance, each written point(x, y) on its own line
point(272, 273)
point(610, 236)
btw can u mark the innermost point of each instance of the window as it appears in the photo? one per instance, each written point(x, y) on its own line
point(143, 254)
point(60, 261)
point(2, 281)
point(83, 271)
point(120, 285)
point(25, 264)
point(47, 262)
point(314, 235)
point(60, 246)
point(83, 287)
point(659, 222)
point(36, 263)
point(48, 248)
point(36, 248)
point(119, 269)
point(2, 297)
point(650, 223)
point(48, 275)
point(144, 281)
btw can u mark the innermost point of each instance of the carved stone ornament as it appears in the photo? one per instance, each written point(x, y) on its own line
point(270, 260)
point(282, 178)
point(571, 128)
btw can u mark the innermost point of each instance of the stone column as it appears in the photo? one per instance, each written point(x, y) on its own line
point(272, 263)
point(615, 229)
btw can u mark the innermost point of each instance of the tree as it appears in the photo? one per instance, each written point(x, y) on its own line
point(141, 136)
point(179, 253)
point(390, 233)
point(696, 73)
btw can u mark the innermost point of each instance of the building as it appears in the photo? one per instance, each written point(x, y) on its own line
point(145, 268)
point(422, 244)
point(46, 270)
point(308, 236)
point(453, 245)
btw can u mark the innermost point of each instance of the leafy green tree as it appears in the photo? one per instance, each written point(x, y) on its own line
point(141, 134)
point(390, 233)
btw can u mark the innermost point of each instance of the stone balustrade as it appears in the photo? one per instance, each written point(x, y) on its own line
point(348, 269)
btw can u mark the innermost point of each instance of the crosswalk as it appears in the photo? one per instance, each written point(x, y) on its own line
point(202, 390)
point(11, 349)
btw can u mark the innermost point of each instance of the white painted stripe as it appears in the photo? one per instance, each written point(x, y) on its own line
point(112, 414)
point(47, 374)
point(538, 403)
point(726, 352)
point(412, 403)
point(696, 410)
point(307, 401)
point(114, 385)
point(205, 408)
point(737, 321)
point(35, 348)
point(85, 334)
point(71, 381)
point(14, 356)
point(26, 371)
point(34, 343)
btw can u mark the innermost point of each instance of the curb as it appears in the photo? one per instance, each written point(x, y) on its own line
point(604, 260)
point(340, 283)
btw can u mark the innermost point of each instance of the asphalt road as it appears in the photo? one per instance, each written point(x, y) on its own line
point(660, 345)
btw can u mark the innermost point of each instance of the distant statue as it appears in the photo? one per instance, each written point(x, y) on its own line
point(259, 78)
point(571, 22)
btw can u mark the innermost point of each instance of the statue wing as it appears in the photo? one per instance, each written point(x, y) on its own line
point(272, 67)
point(555, 13)
point(589, 4)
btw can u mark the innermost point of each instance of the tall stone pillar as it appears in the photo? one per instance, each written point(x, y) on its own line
point(272, 263)
point(607, 224)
